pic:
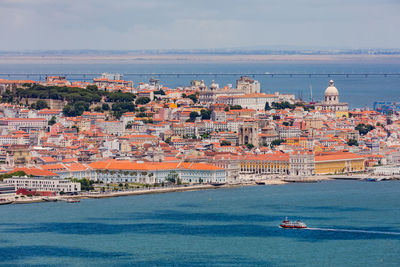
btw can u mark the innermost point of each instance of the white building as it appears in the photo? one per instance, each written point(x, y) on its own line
point(44, 184)
point(387, 170)
point(25, 124)
point(112, 127)
point(248, 85)
point(7, 190)
point(114, 171)
point(255, 100)
point(302, 163)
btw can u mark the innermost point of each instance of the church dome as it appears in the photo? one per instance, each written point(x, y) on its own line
point(331, 90)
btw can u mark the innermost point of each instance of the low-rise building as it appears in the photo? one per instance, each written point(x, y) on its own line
point(44, 184)
point(121, 171)
point(7, 190)
point(338, 162)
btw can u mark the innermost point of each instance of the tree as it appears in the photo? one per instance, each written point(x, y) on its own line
point(193, 115)
point(277, 142)
point(98, 109)
point(128, 125)
point(41, 104)
point(159, 92)
point(193, 97)
point(75, 109)
point(142, 100)
point(92, 88)
point(235, 107)
point(276, 117)
point(105, 107)
point(86, 185)
point(352, 142)
point(282, 105)
point(75, 127)
point(172, 177)
point(205, 114)
point(141, 115)
point(52, 121)
point(363, 129)
point(13, 174)
point(250, 146)
point(267, 107)
point(122, 107)
point(205, 135)
point(120, 97)
point(225, 143)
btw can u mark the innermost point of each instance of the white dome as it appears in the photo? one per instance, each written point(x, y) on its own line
point(331, 90)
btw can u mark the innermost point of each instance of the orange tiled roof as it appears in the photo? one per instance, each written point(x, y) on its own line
point(35, 171)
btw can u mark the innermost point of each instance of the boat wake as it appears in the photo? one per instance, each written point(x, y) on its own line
point(354, 231)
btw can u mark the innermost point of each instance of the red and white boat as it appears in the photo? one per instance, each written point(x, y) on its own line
point(292, 224)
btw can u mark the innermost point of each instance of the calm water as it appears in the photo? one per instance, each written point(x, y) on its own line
point(211, 228)
point(358, 91)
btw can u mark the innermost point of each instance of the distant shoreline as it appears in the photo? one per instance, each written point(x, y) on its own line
point(194, 58)
point(269, 182)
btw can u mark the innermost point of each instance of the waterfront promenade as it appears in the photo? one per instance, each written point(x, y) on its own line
point(184, 188)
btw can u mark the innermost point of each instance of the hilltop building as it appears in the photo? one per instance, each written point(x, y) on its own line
point(248, 85)
point(331, 100)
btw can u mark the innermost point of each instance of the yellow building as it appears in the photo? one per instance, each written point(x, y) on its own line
point(299, 141)
point(342, 113)
point(277, 163)
point(20, 154)
point(338, 162)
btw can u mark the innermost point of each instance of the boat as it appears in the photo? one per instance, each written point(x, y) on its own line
point(48, 199)
point(217, 184)
point(292, 224)
point(371, 179)
point(5, 201)
point(71, 200)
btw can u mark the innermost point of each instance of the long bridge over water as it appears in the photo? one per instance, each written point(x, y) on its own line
point(88, 75)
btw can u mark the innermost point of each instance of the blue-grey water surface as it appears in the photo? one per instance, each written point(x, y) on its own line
point(224, 227)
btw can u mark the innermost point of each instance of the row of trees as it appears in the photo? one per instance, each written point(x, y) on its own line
point(194, 97)
point(9, 175)
point(79, 100)
point(285, 105)
point(86, 184)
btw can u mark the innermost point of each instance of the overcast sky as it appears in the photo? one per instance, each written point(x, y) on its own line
point(198, 24)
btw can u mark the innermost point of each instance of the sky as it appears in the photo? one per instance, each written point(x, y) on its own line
point(198, 24)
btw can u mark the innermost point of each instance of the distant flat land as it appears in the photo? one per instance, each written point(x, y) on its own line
point(193, 58)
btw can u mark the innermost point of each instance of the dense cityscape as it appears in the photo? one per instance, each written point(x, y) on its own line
point(63, 138)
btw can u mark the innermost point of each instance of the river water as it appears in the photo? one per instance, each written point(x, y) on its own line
point(352, 223)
